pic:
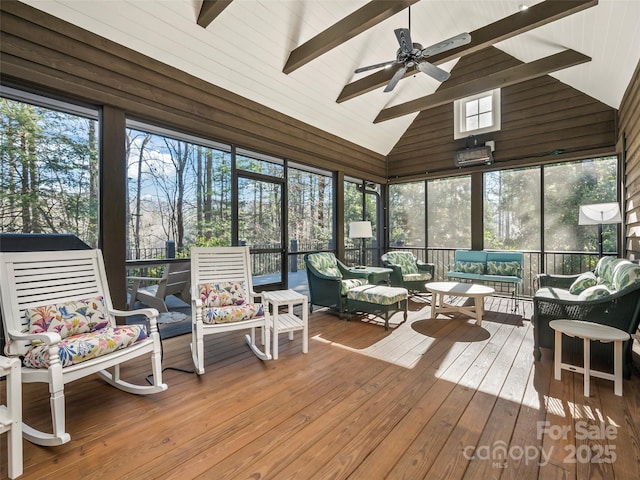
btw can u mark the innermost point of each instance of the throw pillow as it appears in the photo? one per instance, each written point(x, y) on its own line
point(222, 294)
point(509, 269)
point(469, 267)
point(584, 281)
point(68, 318)
point(594, 293)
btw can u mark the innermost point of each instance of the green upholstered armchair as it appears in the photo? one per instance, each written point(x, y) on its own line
point(408, 272)
point(330, 280)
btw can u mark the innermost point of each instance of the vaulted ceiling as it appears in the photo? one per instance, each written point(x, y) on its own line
point(299, 56)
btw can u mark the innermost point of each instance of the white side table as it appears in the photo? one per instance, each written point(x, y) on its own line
point(287, 322)
point(589, 331)
point(11, 414)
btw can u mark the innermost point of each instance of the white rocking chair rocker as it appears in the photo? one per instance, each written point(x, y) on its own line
point(223, 299)
point(57, 312)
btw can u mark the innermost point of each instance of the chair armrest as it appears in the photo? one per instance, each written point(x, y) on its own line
point(150, 313)
point(144, 279)
point(347, 273)
point(48, 338)
point(426, 267)
point(555, 281)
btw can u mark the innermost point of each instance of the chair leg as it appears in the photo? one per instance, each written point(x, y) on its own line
point(56, 400)
point(197, 349)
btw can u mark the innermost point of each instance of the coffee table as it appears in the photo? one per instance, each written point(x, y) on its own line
point(458, 289)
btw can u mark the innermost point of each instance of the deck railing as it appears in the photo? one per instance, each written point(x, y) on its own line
point(267, 263)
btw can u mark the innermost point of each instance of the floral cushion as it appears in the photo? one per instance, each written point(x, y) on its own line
point(325, 263)
point(85, 346)
point(232, 313)
point(594, 293)
point(584, 281)
point(469, 267)
point(509, 269)
point(222, 294)
point(405, 260)
point(68, 318)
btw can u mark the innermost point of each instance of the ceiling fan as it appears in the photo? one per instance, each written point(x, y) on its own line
point(411, 55)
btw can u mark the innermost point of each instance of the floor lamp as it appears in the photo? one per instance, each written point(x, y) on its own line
point(599, 214)
point(363, 231)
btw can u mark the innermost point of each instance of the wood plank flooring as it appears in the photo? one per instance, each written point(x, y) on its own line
point(431, 399)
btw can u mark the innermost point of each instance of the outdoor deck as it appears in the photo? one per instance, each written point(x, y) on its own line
point(415, 402)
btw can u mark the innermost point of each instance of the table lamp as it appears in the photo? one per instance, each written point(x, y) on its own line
point(363, 231)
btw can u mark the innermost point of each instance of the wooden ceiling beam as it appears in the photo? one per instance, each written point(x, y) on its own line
point(508, 27)
point(359, 21)
point(504, 78)
point(209, 10)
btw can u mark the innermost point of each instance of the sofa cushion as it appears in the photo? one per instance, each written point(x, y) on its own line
point(584, 281)
point(85, 346)
point(595, 292)
point(552, 293)
point(469, 267)
point(510, 269)
point(68, 318)
point(625, 273)
point(604, 270)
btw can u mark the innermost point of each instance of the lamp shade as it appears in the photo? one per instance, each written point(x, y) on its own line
point(360, 230)
point(599, 213)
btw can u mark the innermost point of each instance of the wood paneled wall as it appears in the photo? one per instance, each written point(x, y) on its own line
point(539, 116)
point(629, 144)
point(53, 55)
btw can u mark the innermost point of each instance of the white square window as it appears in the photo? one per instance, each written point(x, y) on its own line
point(477, 114)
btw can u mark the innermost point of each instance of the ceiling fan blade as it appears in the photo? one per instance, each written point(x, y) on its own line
point(433, 71)
point(445, 45)
point(404, 39)
point(396, 78)
point(373, 67)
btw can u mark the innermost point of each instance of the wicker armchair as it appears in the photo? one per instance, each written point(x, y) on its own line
point(330, 280)
point(408, 272)
point(620, 309)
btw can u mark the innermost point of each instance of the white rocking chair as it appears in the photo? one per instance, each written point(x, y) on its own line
point(62, 280)
point(225, 274)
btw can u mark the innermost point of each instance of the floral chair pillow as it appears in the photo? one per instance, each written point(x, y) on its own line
point(222, 294)
point(69, 318)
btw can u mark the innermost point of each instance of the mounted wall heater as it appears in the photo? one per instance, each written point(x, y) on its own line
point(474, 156)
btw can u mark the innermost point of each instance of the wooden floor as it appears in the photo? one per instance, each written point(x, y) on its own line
point(432, 399)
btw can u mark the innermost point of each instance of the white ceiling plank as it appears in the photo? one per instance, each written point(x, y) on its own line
point(245, 48)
